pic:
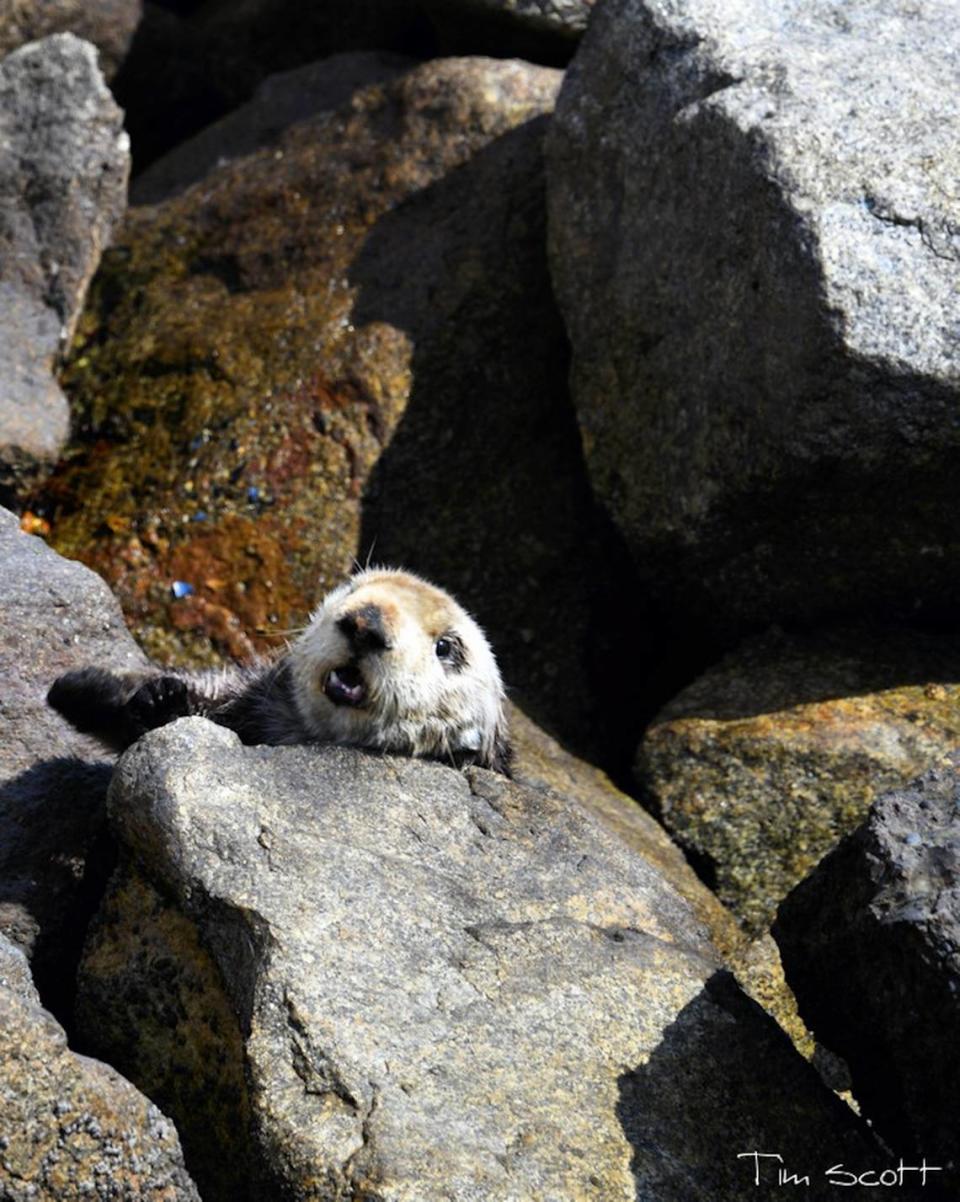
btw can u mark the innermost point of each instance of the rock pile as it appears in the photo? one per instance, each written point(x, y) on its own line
point(652, 363)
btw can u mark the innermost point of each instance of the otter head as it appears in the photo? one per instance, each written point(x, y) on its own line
point(392, 662)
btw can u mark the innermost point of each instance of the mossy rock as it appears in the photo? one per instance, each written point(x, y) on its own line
point(764, 763)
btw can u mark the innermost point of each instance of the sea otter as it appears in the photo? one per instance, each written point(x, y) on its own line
point(388, 661)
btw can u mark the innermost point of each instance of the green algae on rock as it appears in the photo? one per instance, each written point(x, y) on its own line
point(765, 762)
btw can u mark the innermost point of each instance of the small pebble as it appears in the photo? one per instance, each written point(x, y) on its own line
point(912, 840)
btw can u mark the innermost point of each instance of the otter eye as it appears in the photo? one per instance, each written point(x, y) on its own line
point(450, 651)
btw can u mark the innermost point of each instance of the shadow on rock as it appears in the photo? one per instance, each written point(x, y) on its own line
point(483, 485)
point(55, 858)
point(721, 1086)
point(780, 670)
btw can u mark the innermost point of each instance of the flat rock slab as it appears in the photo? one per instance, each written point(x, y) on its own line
point(870, 944)
point(754, 222)
point(71, 1127)
point(64, 161)
point(760, 767)
point(54, 615)
point(401, 981)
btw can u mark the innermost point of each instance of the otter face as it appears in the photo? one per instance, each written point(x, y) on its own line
point(392, 662)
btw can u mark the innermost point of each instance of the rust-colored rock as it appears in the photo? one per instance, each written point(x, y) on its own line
point(229, 398)
point(345, 343)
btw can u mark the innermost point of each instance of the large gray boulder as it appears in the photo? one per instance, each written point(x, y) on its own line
point(71, 1128)
point(347, 975)
point(64, 161)
point(754, 243)
point(870, 944)
point(54, 615)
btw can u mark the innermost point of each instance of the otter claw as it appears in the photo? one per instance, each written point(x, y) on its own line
point(159, 701)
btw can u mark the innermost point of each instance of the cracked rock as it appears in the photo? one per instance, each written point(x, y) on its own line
point(754, 236)
point(72, 1128)
point(870, 944)
point(351, 976)
point(64, 161)
point(54, 615)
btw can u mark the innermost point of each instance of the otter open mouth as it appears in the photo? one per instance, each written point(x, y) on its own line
point(346, 686)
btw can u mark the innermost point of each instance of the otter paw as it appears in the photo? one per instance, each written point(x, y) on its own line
point(157, 702)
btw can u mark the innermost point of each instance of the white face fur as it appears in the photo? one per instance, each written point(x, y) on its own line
point(392, 662)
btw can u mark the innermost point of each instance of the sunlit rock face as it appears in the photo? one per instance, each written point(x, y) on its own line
point(761, 765)
point(73, 1127)
point(64, 162)
point(753, 219)
point(345, 973)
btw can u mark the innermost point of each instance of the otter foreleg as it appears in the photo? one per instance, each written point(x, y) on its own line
point(117, 708)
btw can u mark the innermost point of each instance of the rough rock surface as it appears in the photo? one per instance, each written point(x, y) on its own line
point(539, 761)
point(108, 24)
point(762, 764)
point(54, 615)
point(568, 18)
point(64, 160)
point(434, 984)
point(754, 222)
point(186, 70)
point(71, 1127)
point(355, 319)
point(870, 942)
point(279, 102)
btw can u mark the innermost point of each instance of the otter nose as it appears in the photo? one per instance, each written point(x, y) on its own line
point(364, 629)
